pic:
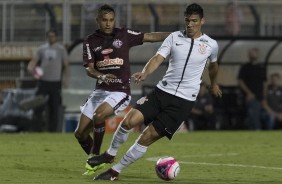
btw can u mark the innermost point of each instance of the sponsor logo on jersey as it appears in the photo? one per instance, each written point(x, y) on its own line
point(117, 43)
point(107, 51)
point(97, 48)
point(109, 62)
point(177, 44)
point(133, 32)
point(142, 100)
point(88, 51)
point(114, 81)
point(110, 68)
point(111, 81)
point(204, 40)
point(202, 48)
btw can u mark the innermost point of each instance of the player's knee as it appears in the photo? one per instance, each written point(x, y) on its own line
point(127, 123)
point(79, 135)
point(132, 119)
point(146, 138)
point(99, 117)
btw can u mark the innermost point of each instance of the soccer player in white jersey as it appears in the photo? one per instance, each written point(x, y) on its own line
point(165, 108)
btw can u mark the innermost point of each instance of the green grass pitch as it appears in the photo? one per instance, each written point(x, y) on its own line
point(226, 157)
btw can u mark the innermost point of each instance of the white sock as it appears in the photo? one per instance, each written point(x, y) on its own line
point(120, 136)
point(135, 152)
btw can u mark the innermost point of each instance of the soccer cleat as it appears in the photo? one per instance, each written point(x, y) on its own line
point(88, 173)
point(110, 175)
point(97, 161)
point(91, 170)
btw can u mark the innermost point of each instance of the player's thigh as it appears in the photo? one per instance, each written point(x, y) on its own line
point(113, 104)
point(132, 119)
point(103, 111)
point(94, 100)
point(118, 101)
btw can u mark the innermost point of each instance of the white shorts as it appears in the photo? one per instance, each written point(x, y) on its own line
point(117, 100)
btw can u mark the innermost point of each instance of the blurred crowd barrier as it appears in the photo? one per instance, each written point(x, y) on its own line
point(24, 24)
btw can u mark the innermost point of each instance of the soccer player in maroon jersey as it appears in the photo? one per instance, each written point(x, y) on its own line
point(106, 58)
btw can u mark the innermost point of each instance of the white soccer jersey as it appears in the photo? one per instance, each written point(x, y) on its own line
point(188, 58)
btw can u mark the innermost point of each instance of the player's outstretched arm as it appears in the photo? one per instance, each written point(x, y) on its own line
point(155, 36)
point(149, 68)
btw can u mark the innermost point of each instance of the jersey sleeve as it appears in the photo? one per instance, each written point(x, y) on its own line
point(213, 56)
point(65, 53)
point(241, 73)
point(165, 48)
point(38, 54)
point(88, 56)
point(134, 37)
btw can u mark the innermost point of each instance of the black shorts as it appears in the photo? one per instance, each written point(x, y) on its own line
point(166, 112)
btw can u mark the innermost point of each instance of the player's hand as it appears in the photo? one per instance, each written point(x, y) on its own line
point(139, 76)
point(250, 96)
point(215, 90)
point(106, 77)
point(279, 116)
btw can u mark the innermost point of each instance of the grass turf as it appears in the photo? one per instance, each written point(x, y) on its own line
point(205, 158)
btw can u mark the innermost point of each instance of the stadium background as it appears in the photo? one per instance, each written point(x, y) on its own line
point(24, 23)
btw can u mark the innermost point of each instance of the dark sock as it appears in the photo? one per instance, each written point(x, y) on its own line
point(99, 131)
point(87, 144)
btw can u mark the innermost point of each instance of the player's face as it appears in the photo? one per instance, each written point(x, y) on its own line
point(193, 25)
point(106, 22)
point(52, 37)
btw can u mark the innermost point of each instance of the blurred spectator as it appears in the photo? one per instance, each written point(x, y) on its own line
point(272, 104)
point(203, 117)
point(52, 58)
point(233, 17)
point(251, 80)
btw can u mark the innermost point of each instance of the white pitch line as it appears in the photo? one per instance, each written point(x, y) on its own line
point(212, 155)
point(232, 165)
point(218, 164)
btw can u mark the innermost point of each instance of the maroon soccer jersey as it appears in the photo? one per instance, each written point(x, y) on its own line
point(110, 55)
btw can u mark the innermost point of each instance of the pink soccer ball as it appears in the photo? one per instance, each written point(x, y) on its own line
point(37, 72)
point(167, 168)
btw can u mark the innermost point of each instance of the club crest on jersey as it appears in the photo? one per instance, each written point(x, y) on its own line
point(202, 48)
point(142, 100)
point(117, 43)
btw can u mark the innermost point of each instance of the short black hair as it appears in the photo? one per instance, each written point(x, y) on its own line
point(52, 31)
point(106, 8)
point(194, 9)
